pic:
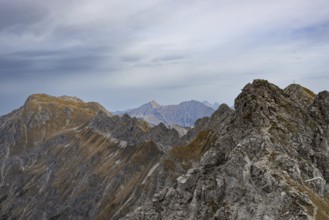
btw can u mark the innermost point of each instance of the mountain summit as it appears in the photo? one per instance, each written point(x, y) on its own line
point(154, 104)
point(184, 114)
point(62, 158)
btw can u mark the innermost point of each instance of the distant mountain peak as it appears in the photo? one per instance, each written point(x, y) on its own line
point(154, 104)
point(183, 114)
point(211, 105)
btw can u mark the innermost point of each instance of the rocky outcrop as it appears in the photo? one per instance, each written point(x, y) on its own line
point(184, 114)
point(301, 95)
point(263, 162)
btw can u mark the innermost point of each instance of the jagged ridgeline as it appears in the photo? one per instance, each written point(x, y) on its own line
point(184, 114)
point(62, 158)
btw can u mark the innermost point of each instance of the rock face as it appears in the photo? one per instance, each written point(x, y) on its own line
point(62, 158)
point(266, 160)
point(184, 114)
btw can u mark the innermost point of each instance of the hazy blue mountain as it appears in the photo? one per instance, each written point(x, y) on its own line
point(211, 105)
point(184, 114)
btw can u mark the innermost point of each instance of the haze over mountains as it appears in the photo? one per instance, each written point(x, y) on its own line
point(62, 158)
point(184, 114)
point(211, 105)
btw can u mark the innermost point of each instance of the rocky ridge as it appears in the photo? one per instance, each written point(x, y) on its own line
point(267, 160)
point(62, 158)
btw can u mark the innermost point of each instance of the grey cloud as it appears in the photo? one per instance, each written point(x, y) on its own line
point(317, 33)
point(8, 65)
point(130, 58)
point(170, 58)
point(54, 61)
point(182, 86)
point(20, 13)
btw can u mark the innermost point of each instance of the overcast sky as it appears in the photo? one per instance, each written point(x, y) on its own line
point(123, 53)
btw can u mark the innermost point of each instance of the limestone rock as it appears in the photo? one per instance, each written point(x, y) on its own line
point(303, 96)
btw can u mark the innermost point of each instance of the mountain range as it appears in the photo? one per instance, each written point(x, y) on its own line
point(183, 114)
point(62, 158)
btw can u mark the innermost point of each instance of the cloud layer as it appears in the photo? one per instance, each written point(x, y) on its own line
point(124, 53)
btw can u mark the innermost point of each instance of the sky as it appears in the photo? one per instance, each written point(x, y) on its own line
point(124, 53)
